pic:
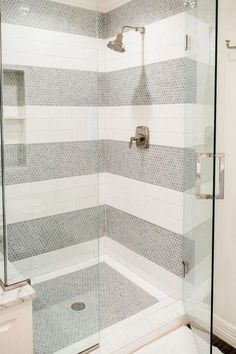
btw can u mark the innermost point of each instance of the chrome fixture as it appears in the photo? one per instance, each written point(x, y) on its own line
point(117, 45)
point(78, 306)
point(230, 46)
point(200, 157)
point(141, 138)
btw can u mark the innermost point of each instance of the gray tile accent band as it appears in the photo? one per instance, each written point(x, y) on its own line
point(158, 165)
point(54, 16)
point(174, 81)
point(167, 82)
point(40, 162)
point(38, 236)
point(153, 242)
point(56, 87)
point(140, 13)
point(56, 326)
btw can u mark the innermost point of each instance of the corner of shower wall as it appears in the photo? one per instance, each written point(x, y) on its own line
point(141, 226)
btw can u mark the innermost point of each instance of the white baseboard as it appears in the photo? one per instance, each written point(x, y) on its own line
point(225, 331)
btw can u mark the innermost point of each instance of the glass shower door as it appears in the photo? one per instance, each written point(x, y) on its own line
point(52, 164)
point(199, 167)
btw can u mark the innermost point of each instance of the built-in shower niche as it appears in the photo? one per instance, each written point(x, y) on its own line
point(14, 117)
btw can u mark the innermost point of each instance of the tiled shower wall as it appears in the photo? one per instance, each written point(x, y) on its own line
point(52, 193)
point(53, 155)
point(147, 86)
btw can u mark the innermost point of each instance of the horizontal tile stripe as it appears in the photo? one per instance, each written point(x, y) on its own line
point(53, 16)
point(83, 18)
point(38, 236)
point(161, 206)
point(167, 82)
point(38, 162)
point(45, 48)
point(159, 165)
point(55, 87)
point(45, 124)
point(139, 13)
point(179, 125)
point(158, 205)
point(170, 82)
point(77, 255)
point(51, 197)
point(157, 244)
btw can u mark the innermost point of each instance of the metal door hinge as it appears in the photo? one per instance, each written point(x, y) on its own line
point(187, 44)
point(186, 268)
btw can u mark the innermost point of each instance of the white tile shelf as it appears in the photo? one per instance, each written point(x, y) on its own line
point(14, 118)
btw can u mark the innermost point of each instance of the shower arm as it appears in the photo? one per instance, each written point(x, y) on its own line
point(137, 29)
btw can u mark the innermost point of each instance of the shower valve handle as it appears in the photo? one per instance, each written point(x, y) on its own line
point(141, 138)
point(134, 139)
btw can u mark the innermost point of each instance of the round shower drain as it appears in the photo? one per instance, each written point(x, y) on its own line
point(78, 306)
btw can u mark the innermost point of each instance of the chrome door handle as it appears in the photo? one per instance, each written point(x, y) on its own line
point(200, 157)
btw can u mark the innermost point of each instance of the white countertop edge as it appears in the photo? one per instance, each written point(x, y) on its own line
point(16, 296)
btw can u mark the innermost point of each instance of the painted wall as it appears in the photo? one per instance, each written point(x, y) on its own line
point(225, 285)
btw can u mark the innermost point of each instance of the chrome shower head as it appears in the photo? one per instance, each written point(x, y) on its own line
point(117, 45)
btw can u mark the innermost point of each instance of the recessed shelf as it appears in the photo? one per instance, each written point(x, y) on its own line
point(14, 110)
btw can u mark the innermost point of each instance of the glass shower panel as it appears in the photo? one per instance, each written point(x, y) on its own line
point(199, 164)
point(52, 162)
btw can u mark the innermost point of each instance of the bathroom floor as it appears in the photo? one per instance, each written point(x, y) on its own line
point(57, 326)
point(183, 339)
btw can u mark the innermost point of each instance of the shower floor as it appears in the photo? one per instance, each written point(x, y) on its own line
point(57, 326)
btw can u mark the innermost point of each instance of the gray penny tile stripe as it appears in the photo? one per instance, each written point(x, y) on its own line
point(46, 234)
point(50, 15)
point(153, 242)
point(164, 166)
point(54, 16)
point(167, 82)
point(40, 162)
